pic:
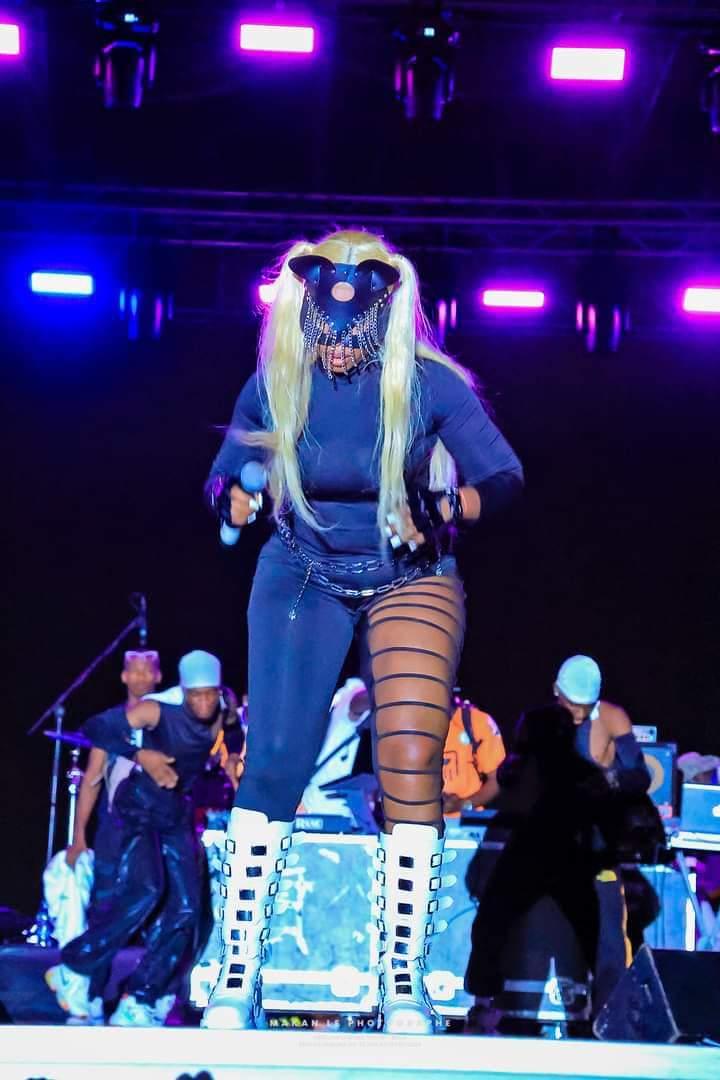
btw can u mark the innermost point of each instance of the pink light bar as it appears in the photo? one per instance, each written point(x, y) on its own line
point(702, 300)
point(267, 291)
point(260, 37)
point(9, 39)
point(513, 298)
point(584, 64)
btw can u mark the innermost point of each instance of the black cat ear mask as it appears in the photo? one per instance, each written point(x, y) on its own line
point(363, 300)
point(367, 277)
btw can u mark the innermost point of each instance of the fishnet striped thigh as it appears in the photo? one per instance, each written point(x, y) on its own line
point(414, 638)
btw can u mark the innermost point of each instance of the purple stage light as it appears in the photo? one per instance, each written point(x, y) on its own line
point(9, 39)
point(446, 318)
point(442, 319)
point(267, 38)
point(702, 300)
point(267, 290)
point(526, 299)
point(587, 64)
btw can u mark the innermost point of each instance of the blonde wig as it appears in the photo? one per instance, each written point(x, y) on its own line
point(284, 369)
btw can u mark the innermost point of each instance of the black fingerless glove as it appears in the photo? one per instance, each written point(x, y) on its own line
point(217, 495)
point(427, 517)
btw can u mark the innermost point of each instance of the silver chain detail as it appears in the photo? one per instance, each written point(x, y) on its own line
point(314, 569)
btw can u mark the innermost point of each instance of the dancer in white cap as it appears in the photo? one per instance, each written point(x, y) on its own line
point(604, 735)
point(169, 745)
point(604, 732)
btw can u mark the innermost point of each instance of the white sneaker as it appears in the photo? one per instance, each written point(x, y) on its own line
point(71, 990)
point(95, 1016)
point(133, 1013)
point(163, 1007)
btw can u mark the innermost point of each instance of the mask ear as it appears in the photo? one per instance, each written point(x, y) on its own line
point(308, 267)
point(382, 275)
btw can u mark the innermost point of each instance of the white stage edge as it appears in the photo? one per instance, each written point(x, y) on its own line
point(66, 1053)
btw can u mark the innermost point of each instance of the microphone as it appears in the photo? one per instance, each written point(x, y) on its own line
point(142, 626)
point(253, 478)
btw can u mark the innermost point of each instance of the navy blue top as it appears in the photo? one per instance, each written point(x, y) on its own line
point(181, 735)
point(339, 455)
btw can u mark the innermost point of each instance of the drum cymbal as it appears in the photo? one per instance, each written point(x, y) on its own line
point(72, 737)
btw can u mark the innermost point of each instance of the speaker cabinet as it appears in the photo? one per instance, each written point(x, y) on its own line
point(662, 997)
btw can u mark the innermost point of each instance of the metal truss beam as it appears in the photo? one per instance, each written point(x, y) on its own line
point(456, 226)
point(669, 13)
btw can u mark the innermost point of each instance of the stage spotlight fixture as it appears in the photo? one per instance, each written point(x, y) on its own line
point(61, 283)
point(585, 63)
point(701, 300)
point(126, 56)
point(425, 65)
point(711, 90)
point(601, 313)
point(272, 38)
point(10, 46)
point(513, 298)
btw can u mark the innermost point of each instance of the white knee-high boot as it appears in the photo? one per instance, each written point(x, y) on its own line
point(407, 883)
point(255, 856)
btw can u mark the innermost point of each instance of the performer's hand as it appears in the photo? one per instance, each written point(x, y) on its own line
point(74, 852)
point(243, 507)
point(401, 529)
point(158, 766)
point(233, 769)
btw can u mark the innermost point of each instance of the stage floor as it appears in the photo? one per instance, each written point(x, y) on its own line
point(67, 1053)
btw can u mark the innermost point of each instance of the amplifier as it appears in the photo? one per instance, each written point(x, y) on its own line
point(660, 760)
point(645, 733)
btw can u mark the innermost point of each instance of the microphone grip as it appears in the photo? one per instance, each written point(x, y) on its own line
point(253, 478)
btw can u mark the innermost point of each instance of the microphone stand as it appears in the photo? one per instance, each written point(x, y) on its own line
point(40, 932)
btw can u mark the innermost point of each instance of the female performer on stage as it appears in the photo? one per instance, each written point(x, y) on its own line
point(377, 450)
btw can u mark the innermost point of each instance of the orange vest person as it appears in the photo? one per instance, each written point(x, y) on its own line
point(474, 747)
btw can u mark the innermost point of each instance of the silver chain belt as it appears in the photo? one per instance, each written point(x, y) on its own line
point(314, 568)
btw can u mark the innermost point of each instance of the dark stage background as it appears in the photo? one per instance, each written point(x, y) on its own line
point(106, 443)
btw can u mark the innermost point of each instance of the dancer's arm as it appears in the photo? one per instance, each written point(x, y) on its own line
point(86, 800)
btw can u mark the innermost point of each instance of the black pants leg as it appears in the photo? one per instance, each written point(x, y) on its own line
point(294, 666)
point(511, 890)
point(523, 874)
point(172, 936)
point(107, 847)
point(574, 893)
point(613, 954)
point(140, 884)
